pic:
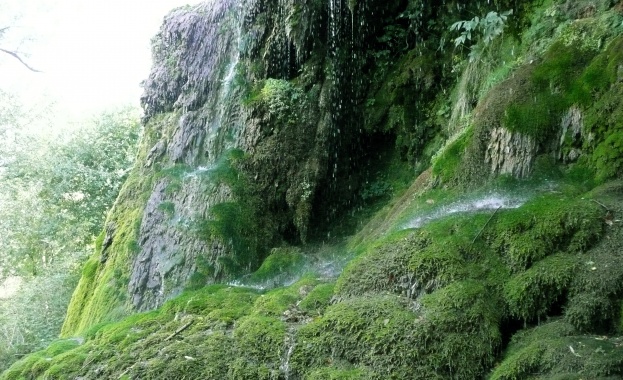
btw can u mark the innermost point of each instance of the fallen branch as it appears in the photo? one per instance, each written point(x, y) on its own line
point(179, 331)
point(601, 204)
point(483, 227)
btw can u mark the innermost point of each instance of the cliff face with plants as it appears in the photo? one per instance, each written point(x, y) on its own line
point(365, 190)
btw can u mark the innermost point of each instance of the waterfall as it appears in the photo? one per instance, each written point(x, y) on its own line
point(196, 58)
point(204, 56)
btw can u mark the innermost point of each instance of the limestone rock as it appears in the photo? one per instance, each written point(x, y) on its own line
point(510, 153)
point(571, 135)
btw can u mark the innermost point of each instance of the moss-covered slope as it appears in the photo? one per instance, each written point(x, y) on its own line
point(358, 118)
point(438, 302)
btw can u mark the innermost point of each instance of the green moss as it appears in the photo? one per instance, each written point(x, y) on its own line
point(554, 90)
point(318, 299)
point(571, 72)
point(174, 176)
point(547, 224)
point(375, 332)
point(237, 224)
point(216, 302)
point(167, 207)
point(531, 294)
point(382, 267)
point(280, 263)
point(461, 327)
point(456, 282)
point(603, 122)
point(401, 94)
point(450, 255)
point(595, 293)
point(259, 342)
point(607, 157)
point(536, 117)
point(61, 365)
point(204, 271)
point(447, 161)
point(281, 97)
point(286, 115)
point(37, 363)
point(277, 301)
point(471, 287)
point(603, 71)
point(60, 346)
point(101, 294)
point(553, 350)
point(333, 373)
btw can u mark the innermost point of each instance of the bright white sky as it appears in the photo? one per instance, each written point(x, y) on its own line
point(93, 54)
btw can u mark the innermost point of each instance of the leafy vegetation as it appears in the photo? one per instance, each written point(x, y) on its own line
point(55, 194)
point(480, 31)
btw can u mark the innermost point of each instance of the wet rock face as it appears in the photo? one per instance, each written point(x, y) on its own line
point(195, 54)
point(189, 52)
point(221, 83)
point(571, 135)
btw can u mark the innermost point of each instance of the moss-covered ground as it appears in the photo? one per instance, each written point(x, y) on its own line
point(532, 291)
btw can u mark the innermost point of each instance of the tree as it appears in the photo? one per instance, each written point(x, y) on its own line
point(54, 193)
point(57, 189)
point(10, 15)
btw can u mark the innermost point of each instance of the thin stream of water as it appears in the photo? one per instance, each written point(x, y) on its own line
point(492, 201)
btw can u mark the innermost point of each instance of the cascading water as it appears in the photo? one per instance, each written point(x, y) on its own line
point(491, 201)
point(289, 346)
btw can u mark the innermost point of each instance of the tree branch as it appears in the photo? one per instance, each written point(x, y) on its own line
point(14, 54)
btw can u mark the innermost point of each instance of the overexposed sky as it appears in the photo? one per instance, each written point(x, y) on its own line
point(93, 54)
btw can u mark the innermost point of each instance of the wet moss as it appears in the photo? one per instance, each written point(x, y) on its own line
point(471, 274)
point(471, 288)
point(428, 303)
point(362, 331)
point(42, 362)
point(602, 127)
point(543, 226)
point(259, 343)
point(401, 94)
point(280, 264)
point(219, 303)
point(338, 373)
point(532, 294)
point(554, 350)
point(597, 288)
point(102, 297)
point(277, 301)
point(240, 224)
point(575, 70)
point(285, 118)
point(383, 267)
point(446, 163)
point(101, 294)
point(317, 300)
point(461, 328)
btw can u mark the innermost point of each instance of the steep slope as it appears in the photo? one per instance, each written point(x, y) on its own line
point(274, 126)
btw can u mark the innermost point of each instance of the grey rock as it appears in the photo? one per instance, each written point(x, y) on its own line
point(510, 153)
